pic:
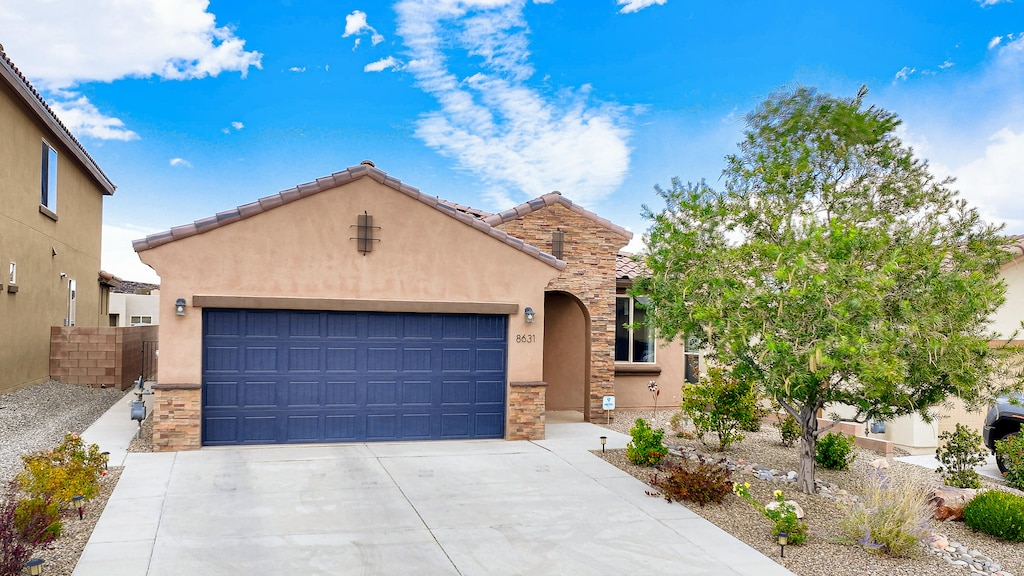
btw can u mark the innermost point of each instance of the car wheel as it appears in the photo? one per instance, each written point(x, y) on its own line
point(999, 460)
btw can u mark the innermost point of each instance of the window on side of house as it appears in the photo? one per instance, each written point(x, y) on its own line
point(141, 320)
point(634, 345)
point(48, 179)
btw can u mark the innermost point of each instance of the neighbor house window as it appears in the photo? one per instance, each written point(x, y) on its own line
point(142, 320)
point(632, 344)
point(48, 188)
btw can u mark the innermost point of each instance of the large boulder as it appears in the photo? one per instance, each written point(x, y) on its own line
point(949, 502)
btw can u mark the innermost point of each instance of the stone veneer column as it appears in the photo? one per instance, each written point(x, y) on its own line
point(176, 417)
point(589, 250)
point(526, 411)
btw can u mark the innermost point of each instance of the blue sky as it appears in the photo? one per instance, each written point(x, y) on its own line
point(194, 107)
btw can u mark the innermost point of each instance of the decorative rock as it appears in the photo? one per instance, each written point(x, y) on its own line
point(879, 463)
point(796, 507)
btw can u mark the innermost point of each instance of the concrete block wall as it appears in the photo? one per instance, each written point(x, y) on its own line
point(98, 356)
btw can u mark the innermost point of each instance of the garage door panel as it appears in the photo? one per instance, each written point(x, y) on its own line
point(341, 359)
point(303, 394)
point(298, 376)
point(222, 359)
point(340, 394)
point(261, 359)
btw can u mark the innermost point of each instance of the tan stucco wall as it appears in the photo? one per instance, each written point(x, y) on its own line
point(1008, 318)
point(303, 250)
point(631, 388)
point(29, 238)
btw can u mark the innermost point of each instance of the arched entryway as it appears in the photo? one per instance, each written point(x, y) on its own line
point(566, 353)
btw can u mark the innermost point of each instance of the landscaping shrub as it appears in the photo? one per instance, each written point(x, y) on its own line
point(14, 550)
point(1011, 452)
point(646, 447)
point(782, 515)
point(704, 482)
point(891, 517)
point(999, 514)
point(835, 451)
point(789, 429)
point(721, 404)
point(57, 475)
point(959, 452)
point(38, 520)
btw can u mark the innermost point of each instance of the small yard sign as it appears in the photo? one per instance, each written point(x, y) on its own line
point(609, 403)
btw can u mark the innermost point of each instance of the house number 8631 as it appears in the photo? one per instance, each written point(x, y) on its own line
point(525, 338)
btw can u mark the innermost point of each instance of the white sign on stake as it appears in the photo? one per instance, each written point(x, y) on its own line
point(608, 404)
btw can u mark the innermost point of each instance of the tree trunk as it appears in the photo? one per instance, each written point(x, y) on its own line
point(808, 438)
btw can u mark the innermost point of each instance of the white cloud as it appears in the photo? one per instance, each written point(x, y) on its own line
point(629, 6)
point(492, 122)
point(297, 69)
point(84, 119)
point(120, 259)
point(355, 25)
point(946, 64)
point(62, 43)
point(382, 64)
point(180, 163)
point(985, 3)
point(992, 181)
point(994, 42)
point(904, 73)
point(237, 125)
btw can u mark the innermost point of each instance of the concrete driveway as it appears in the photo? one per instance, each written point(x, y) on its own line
point(422, 508)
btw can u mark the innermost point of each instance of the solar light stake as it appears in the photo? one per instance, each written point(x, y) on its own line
point(35, 566)
point(783, 540)
point(79, 502)
point(604, 440)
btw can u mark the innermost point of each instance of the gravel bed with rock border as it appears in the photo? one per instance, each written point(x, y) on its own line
point(821, 554)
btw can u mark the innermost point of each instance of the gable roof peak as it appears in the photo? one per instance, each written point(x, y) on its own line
point(550, 199)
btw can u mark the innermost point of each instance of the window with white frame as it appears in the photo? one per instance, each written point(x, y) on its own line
point(141, 320)
point(48, 179)
point(634, 341)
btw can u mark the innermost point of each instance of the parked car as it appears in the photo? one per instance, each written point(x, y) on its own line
point(1004, 419)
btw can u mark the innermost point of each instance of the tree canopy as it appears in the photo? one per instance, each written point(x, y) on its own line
point(833, 268)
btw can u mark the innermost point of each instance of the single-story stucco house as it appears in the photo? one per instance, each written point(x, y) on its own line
point(356, 308)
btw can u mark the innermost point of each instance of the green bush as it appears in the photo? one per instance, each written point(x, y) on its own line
point(38, 520)
point(1011, 452)
point(996, 513)
point(57, 475)
point(835, 451)
point(704, 482)
point(959, 453)
point(721, 404)
point(782, 514)
point(646, 447)
point(890, 518)
point(789, 429)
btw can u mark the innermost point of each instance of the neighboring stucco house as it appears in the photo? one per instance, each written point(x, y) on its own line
point(134, 304)
point(356, 308)
point(51, 207)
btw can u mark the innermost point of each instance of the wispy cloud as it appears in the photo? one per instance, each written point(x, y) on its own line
point(946, 64)
point(107, 40)
point(382, 64)
point(986, 3)
point(236, 125)
point(180, 163)
point(84, 119)
point(630, 6)
point(355, 25)
point(493, 123)
point(904, 73)
point(297, 69)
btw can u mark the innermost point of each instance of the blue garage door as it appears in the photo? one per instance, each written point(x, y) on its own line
point(282, 376)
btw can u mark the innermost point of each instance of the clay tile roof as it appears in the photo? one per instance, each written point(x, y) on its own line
point(108, 279)
point(550, 199)
point(464, 214)
point(627, 268)
point(1015, 246)
point(24, 89)
point(132, 287)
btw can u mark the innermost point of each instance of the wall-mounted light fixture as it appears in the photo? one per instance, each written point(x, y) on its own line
point(179, 306)
point(530, 315)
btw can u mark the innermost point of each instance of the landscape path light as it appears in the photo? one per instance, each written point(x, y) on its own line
point(604, 440)
point(35, 566)
point(79, 503)
point(783, 540)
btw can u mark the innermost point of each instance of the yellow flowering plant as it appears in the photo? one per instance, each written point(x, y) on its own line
point(783, 514)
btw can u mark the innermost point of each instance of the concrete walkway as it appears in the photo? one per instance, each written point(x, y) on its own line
point(418, 508)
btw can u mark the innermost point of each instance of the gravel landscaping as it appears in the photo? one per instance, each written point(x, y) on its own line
point(821, 554)
point(36, 418)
